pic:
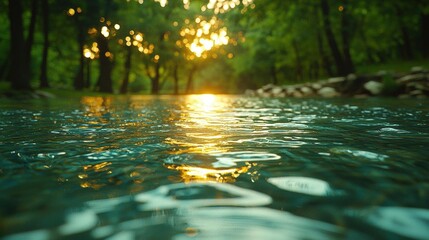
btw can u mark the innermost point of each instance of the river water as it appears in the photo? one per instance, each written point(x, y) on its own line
point(214, 167)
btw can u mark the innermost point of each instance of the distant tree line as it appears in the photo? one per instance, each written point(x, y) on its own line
point(302, 40)
point(171, 46)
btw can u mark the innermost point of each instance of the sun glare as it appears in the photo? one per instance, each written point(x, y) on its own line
point(222, 6)
point(163, 3)
point(203, 102)
point(202, 36)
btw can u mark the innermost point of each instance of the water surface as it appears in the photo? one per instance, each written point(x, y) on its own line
point(214, 167)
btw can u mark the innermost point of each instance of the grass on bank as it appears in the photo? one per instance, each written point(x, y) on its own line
point(6, 91)
point(393, 67)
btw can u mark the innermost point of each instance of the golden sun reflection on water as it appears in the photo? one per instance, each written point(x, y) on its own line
point(201, 124)
point(203, 102)
point(99, 174)
point(203, 174)
point(204, 134)
point(205, 147)
point(96, 106)
point(88, 182)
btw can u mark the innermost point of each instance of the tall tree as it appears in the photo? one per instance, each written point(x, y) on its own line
point(105, 75)
point(346, 28)
point(105, 82)
point(330, 37)
point(80, 20)
point(127, 67)
point(44, 83)
point(424, 33)
point(30, 38)
point(19, 67)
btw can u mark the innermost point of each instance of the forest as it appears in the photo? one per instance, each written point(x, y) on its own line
point(193, 46)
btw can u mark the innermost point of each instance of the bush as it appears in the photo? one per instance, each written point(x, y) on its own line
point(390, 86)
point(137, 85)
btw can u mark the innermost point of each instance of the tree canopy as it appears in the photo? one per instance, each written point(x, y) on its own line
point(160, 46)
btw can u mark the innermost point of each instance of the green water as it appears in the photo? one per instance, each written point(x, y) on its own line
point(214, 167)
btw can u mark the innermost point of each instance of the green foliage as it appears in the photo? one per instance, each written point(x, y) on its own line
point(138, 84)
point(399, 66)
point(271, 41)
point(390, 86)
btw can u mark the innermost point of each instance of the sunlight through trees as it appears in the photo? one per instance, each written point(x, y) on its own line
point(161, 46)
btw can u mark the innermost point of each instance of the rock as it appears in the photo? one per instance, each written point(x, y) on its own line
point(297, 94)
point(416, 92)
point(306, 91)
point(416, 85)
point(336, 79)
point(417, 69)
point(290, 91)
point(265, 95)
point(44, 94)
point(267, 87)
point(412, 77)
point(373, 87)
point(353, 85)
point(249, 92)
point(316, 86)
point(282, 94)
point(328, 92)
point(276, 90)
point(351, 77)
point(403, 85)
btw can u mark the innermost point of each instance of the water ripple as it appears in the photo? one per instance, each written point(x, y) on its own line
point(255, 223)
point(203, 166)
point(304, 185)
point(230, 159)
point(407, 222)
point(360, 154)
point(195, 195)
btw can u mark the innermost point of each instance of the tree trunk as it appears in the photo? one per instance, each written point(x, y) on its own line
point(336, 54)
point(88, 73)
point(325, 59)
point(124, 86)
point(313, 70)
point(44, 67)
point(298, 62)
point(30, 38)
point(406, 49)
point(273, 72)
point(155, 80)
point(176, 78)
point(105, 77)
point(424, 38)
point(190, 82)
point(79, 80)
point(4, 67)
point(19, 69)
point(345, 35)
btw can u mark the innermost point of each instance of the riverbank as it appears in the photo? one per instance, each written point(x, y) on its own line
point(7, 92)
point(412, 84)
